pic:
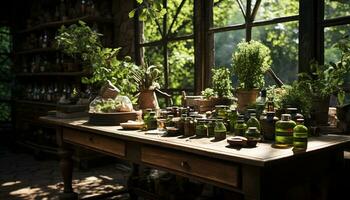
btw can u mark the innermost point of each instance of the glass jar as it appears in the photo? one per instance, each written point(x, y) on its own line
point(201, 128)
point(181, 124)
point(300, 134)
point(232, 117)
point(253, 122)
point(267, 123)
point(151, 121)
point(220, 130)
point(221, 111)
point(189, 127)
point(293, 112)
point(284, 131)
point(252, 133)
point(169, 121)
point(240, 128)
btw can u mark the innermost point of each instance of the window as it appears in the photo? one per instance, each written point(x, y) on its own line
point(274, 23)
point(169, 41)
point(336, 25)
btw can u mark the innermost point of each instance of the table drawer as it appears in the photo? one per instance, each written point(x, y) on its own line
point(99, 142)
point(199, 166)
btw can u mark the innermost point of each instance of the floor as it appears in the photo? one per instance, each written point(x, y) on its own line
point(26, 178)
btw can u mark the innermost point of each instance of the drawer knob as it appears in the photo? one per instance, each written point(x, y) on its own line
point(185, 164)
point(91, 139)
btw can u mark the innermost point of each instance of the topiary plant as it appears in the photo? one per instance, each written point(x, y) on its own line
point(221, 82)
point(250, 62)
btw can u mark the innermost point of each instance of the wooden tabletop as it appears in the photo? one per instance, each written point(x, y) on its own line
point(262, 155)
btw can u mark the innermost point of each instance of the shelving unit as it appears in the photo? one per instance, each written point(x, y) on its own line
point(42, 73)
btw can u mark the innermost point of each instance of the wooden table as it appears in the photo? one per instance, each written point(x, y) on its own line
point(262, 172)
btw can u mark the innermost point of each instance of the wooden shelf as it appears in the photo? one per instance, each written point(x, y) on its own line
point(51, 74)
point(38, 50)
point(66, 22)
point(36, 102)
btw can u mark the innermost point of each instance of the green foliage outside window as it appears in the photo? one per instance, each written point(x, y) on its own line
point(5, 73)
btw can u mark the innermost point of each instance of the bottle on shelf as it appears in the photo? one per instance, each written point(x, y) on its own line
point(284, 131)
point(300, 135)
point(267, 122)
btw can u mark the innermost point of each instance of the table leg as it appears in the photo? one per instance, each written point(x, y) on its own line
point(251, 183)
point(66, 166)
point(131, 181)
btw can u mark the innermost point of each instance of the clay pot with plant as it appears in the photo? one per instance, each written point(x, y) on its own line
point(146, 78)
point(251, 60)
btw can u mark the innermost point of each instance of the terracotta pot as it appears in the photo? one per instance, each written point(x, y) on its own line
point(246, 98)
point(319, 111)
point(148, 99)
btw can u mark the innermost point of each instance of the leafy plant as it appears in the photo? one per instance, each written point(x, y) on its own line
point(293, 95)
point(79, 40)
point(221, 82)
point(208, 93)
point(148, 9)
point(250, 62)
point(146, 77)
point(328, 79)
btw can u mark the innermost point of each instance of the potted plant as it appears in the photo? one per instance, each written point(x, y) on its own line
point(324, 81)
point(80, 41)
point(222, 86)
point(250, 62)
point(146, 78)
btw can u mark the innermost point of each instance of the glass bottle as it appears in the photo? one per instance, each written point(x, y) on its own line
point(169, 121)
point(252, 133)
point(267, 123)
point(253, 122)
point(300, 134)
point(270, 106)
point(240, 126)
point(220, 130)
point(210, 128)
point(232, 116)
point(181, 123)
point(293, 112)
point(221, 111)
point(201, 128)
point(189, 127)
point(260, 103)
point(284, 131)
point(151, 122)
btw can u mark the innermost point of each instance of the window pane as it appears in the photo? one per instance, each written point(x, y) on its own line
point(227, 13)
point(331, 36)
point(181, 64)
point(225, 43)
point(183, 24)
point(336, 8)
point(270, 9)
point(151, 30)
point(282, 39)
